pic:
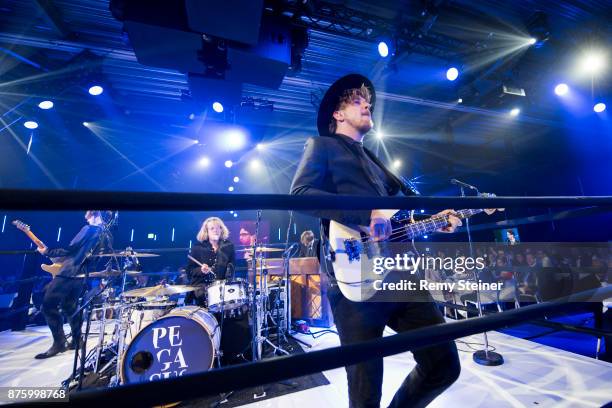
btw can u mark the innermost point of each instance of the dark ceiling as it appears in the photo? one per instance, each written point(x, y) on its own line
point(43, 40)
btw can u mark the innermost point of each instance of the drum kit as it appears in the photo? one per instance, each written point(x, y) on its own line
point(151, 335)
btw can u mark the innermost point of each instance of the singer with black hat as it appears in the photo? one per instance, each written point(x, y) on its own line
point(338, 163)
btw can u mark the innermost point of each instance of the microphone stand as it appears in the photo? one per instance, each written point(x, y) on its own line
point(482, 357)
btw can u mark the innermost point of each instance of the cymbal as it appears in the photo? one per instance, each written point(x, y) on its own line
point(269, 267)
point(261, 249)
point(159, 290)
point(128, 254)
point(109, 273)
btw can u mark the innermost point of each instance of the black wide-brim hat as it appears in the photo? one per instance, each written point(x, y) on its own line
point(333, 94)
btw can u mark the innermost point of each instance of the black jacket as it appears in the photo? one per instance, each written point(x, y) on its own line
point(218, 261)
point(334, 165)
point(84, 243)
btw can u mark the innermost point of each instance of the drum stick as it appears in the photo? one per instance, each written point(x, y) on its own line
point(195, 260)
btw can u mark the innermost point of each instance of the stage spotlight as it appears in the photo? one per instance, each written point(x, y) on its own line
point(425, 236)
point(260, 146)
point(236, 179)
point(86, 124)
point(599, 107)
point(204, 162)
point(593, 62)
point(236, 139)
point(380, 134)
point(397, 164)
point(30, 124)
point(383, 49)
point(230, 188)
point(460, 100)
point(515, 112)
point(531, 41)
point(45, 105)
point(561, 89)
point(452, 73)
point(235, 215)
point(191, 116)
point(228, 163)
point(217, 107)
point(255, 164)
point(96, 90)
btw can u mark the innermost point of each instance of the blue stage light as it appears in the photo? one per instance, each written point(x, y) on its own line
point(234, 139)
point(561, 89)
point(599, 107)
point(383, 49)
point(30, 124)
point(45, 105)
point(96, 90)
point(229, 163)
point(452, 73)
point(217, 107)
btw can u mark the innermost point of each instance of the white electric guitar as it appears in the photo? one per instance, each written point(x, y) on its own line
point(53, 269)
point(354, 250)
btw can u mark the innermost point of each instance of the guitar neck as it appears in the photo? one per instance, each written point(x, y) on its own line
point(434, 223)
point(34, 239)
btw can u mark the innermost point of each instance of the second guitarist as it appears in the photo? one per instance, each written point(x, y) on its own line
point(64, 290)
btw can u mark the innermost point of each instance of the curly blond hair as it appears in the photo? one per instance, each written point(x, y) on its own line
point(203, 233)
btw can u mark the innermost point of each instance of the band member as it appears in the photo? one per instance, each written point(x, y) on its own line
point(308, 244)
point(339, 164)
point(216, 254)
point(65, 288)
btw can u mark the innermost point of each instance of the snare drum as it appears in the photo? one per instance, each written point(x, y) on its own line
point(234, 295)
point(184, 341)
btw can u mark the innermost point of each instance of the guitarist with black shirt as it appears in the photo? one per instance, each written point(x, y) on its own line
point(338, 163)
point(65, 288)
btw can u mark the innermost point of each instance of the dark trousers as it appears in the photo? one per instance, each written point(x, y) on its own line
point(62, 293)
point(437, 366)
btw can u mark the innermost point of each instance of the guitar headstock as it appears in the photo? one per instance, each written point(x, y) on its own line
point(490, 211)
point(21, 225)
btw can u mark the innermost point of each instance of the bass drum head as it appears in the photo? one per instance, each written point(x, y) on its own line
point(185, 341)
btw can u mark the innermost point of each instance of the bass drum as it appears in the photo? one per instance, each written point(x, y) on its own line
point(184, 341)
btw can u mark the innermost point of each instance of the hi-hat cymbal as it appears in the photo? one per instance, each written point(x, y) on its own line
point(108, 274)
point(159, 290)
point(129, 254)
point(267, 267)
point(261, 249)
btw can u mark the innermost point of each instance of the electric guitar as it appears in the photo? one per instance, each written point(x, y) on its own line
point(57, 265)
point(353, 248)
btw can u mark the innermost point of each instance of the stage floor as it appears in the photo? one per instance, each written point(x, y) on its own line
point(533, 374)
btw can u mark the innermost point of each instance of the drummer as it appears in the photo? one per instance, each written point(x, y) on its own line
point(217, 257)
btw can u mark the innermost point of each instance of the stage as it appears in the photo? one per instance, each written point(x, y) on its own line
point(533, 374)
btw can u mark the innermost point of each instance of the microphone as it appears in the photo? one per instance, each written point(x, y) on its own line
point(462, 184)
point(291, 247)
point(229, 271)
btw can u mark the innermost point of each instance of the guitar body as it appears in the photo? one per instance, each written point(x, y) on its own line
point(57, 265)
point(53, 269)
point(354, 251)
point(355, 275)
